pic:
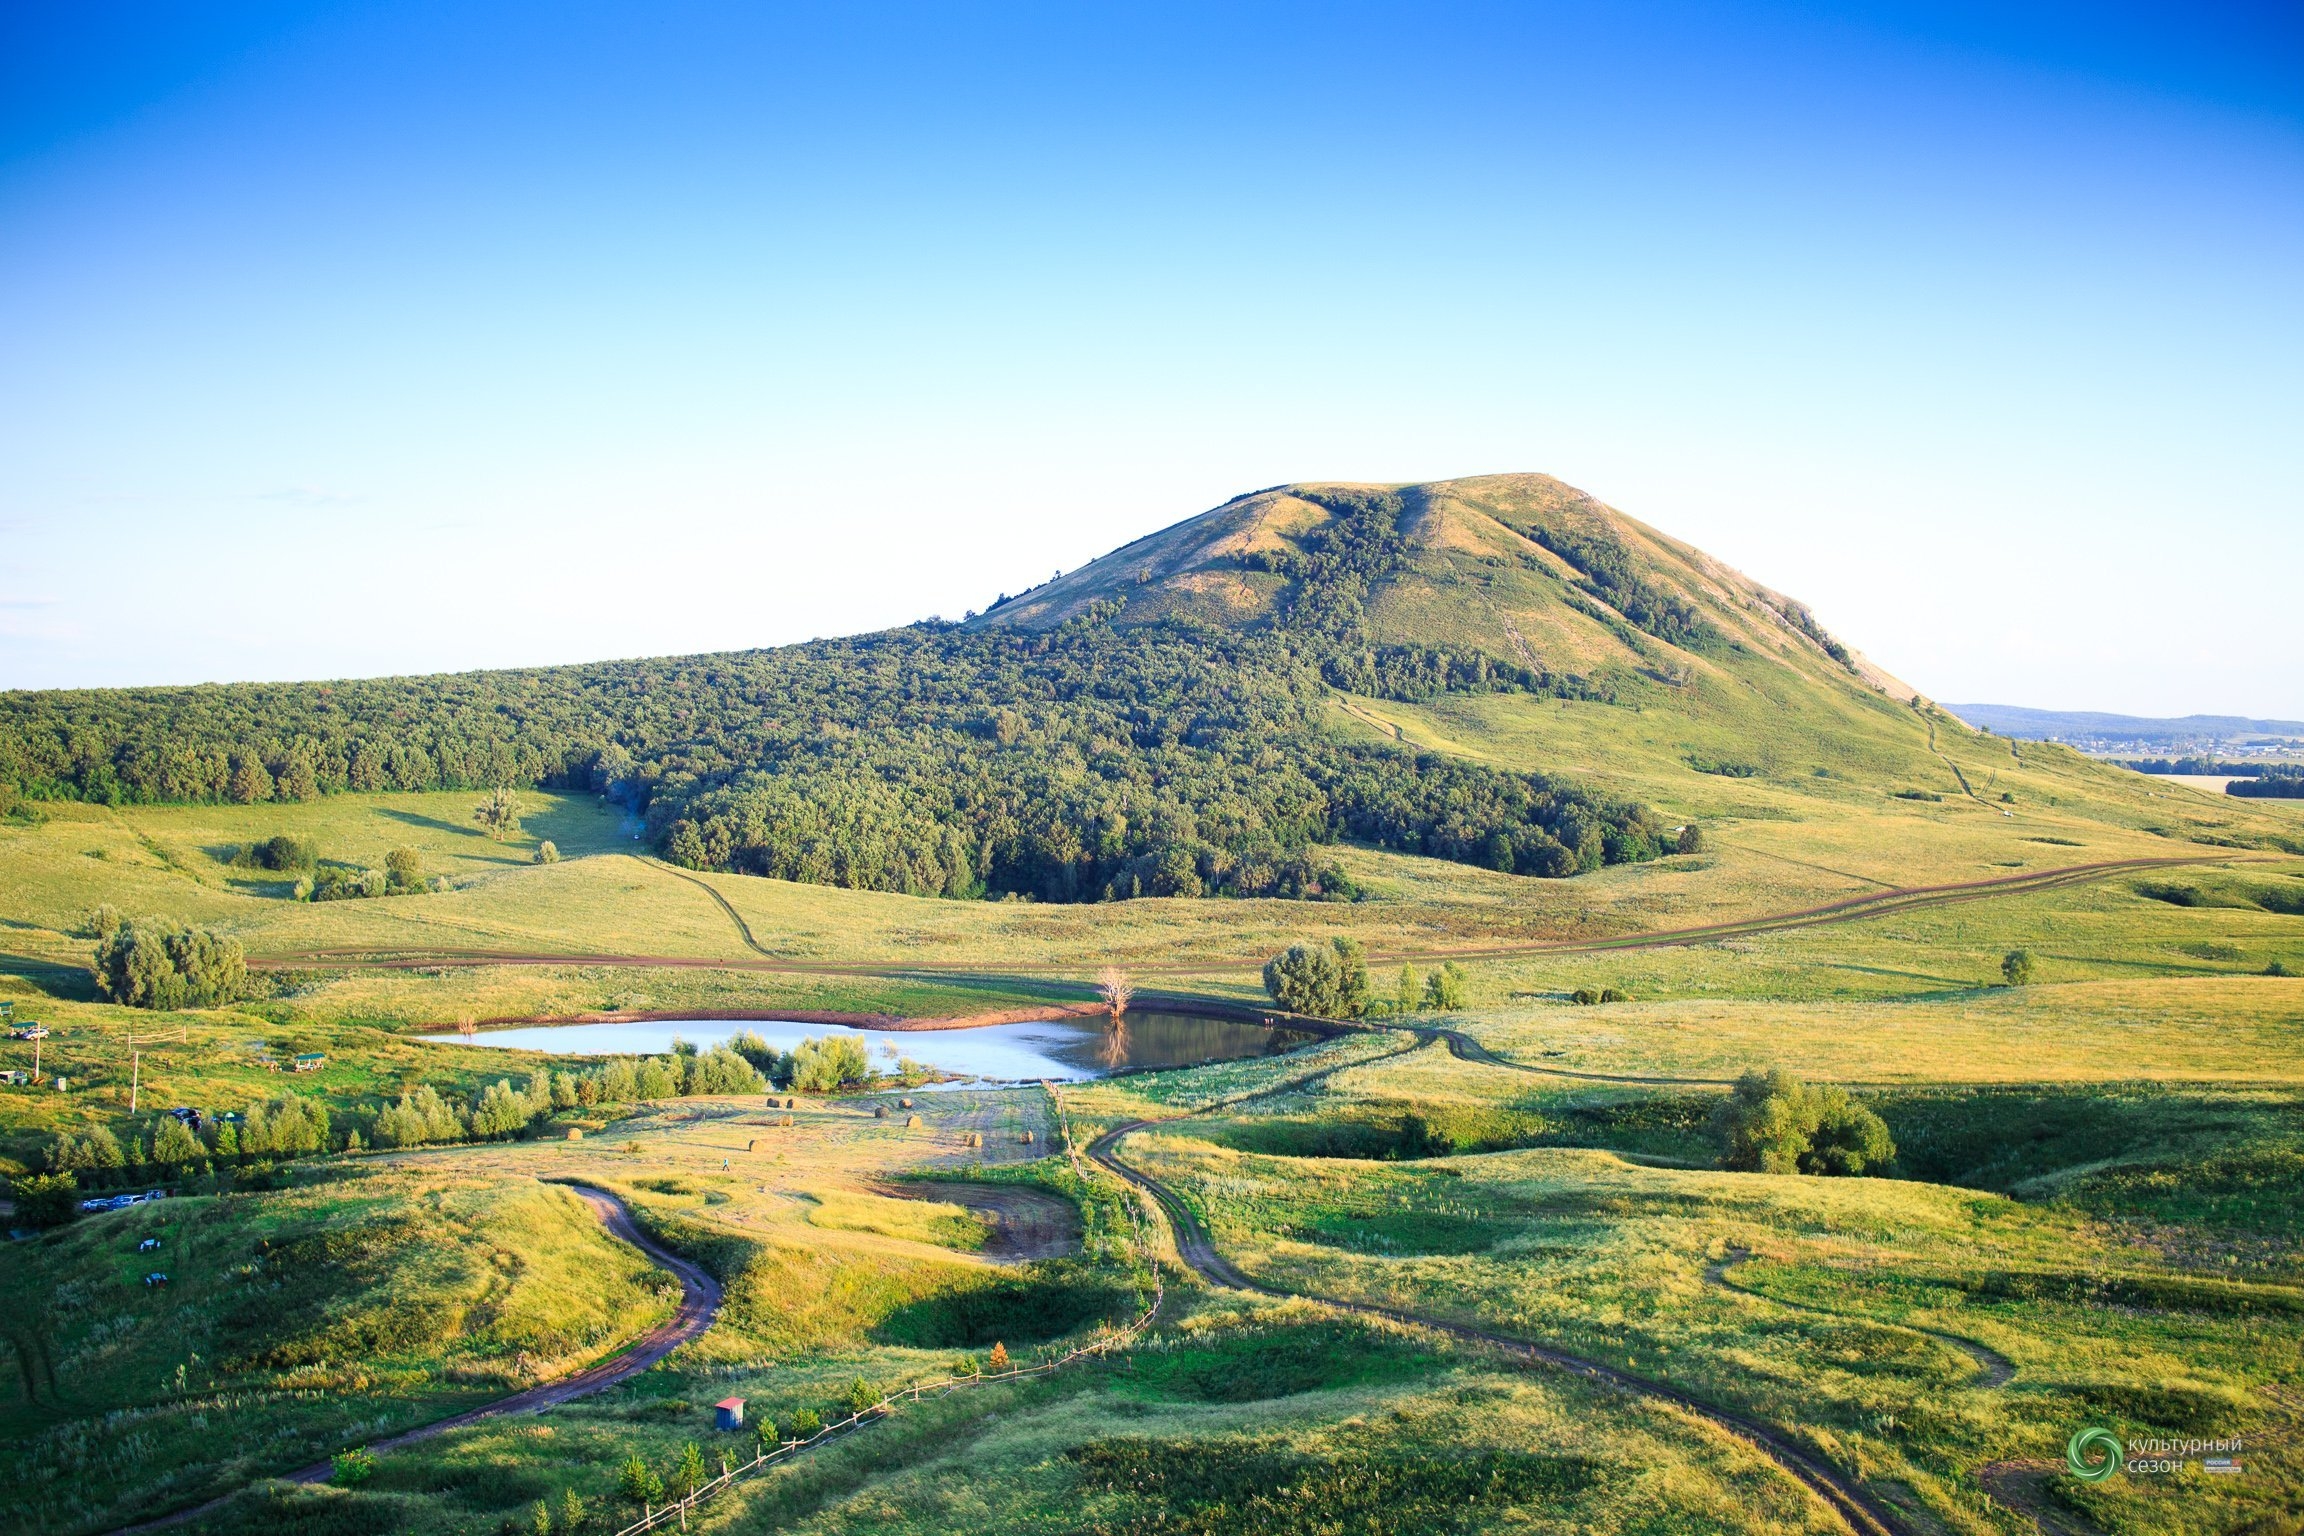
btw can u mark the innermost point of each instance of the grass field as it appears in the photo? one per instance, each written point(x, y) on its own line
point(2093, 1216)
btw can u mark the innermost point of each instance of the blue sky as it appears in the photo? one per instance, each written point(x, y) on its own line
point(347, 339)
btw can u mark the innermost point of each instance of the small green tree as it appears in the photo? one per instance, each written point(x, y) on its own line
point(575, 1514)
point(547, 852)
point(1408, 991)
point(1691, 840)
point(807, 1424)
point(46, 1199)
point(540, 1519)
point(174, 1145)
point(764, 1429)
point(499, 814)
point(1444, 988)
point(638, 1484)
point(1774, 1123)
point(1326, 981)
point(861, 1395)
point(820, 1066)
point(404, 869)
point(690, 1470)
point(2018, 968)
point(349, 1469)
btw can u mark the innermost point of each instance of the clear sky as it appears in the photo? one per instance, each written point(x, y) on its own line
point(347, 339)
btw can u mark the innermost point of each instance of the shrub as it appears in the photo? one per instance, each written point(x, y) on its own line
point(638, 1484)
point(807, 1424)
point(2018, 968)
point(353, 1467)
point(1591, 996)
point(1325, 981)
point(861, 1395)
point(820, 1066)
point(499, 814)
point(174, 1145)
point(1774, 1123)
point(1691, 840)
point(547, 852)
point(97, 1150)
point(404, 869)
point(163, 965)
point(998, 1359)
point(284, 852)
point(1444, 988)
point(47, 1199)
point(2276, 968)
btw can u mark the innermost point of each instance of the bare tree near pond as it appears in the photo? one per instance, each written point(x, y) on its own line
point(1113, 985)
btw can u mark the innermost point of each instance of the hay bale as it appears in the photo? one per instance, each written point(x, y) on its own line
point(879, 1111)
point(975, 1138)
point(575, 1133)
point(784, 1120)
point(906, 1103)
point(1027, 1138)
point(912, 1122)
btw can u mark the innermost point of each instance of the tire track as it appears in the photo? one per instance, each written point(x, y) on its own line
point(1895, 900)
point(1995, 1368)
point(699, 1303)
point(1856, 1508)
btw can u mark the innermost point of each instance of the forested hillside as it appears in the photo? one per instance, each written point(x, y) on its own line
point(1086, 760)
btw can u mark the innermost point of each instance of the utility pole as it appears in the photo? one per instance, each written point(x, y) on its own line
point(135, 1077)
point(35, 1062)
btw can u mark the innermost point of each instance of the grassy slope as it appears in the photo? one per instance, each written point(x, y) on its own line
point(2141, 998)
point(293, 1322)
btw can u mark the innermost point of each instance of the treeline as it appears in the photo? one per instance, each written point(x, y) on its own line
point(292, 1125)
point(1609, 567)
point(1087, 762)
point(2273, 784)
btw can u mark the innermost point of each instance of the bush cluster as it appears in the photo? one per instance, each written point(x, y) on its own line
point(1774, 1123)
point(1330, 981)
point(154, 963)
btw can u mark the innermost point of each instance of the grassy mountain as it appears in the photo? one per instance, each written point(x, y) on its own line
point(1519, 568)
point(1500, 672)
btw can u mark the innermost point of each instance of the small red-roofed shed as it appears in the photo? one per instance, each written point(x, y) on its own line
point(728, 1413)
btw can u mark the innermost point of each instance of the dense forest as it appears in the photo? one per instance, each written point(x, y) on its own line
point(2283, 783)
point(1091, 761)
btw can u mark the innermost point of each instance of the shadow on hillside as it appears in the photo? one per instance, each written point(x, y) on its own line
point(68, 983)
point(418, 819)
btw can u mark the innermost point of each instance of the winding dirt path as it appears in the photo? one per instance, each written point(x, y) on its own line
point(1993, 1369)
point(1856, 1507)
point(1848, 909)
point(699, 1302)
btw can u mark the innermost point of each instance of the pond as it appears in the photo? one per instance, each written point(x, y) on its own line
point(1067, 1050)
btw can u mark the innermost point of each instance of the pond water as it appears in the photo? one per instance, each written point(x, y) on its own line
point(1067, 1050)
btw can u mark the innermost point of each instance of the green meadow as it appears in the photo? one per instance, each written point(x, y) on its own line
point(2091, 1217)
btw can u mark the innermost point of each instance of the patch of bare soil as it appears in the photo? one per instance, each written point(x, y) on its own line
point(1024, 1223)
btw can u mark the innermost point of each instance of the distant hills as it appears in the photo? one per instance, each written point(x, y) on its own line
point(2093, 731)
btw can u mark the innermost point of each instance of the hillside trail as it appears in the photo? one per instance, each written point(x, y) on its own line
point(1881, 903)
point(700, 1297)
point(1993, 1369)
point(1855, 1507)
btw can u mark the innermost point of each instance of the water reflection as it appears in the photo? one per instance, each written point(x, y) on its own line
point(1065, 1049)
